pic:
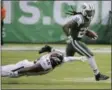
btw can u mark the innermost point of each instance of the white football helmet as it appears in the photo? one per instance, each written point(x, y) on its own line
point(88, 10)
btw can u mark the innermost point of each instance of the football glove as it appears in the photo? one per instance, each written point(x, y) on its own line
point(95, 38)
point(46, 48)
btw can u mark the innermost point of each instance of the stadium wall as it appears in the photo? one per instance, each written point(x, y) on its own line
point(41, 21)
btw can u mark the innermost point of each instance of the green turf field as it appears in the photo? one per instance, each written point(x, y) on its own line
point(72, 75)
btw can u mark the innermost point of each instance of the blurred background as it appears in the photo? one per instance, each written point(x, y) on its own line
point(41, 21)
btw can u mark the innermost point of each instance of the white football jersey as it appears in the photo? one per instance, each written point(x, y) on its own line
point(45, 62)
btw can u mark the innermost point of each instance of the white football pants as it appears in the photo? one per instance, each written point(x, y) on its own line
point(6, 69)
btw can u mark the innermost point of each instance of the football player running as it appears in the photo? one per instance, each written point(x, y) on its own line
point(75, 28)
point(41, 66)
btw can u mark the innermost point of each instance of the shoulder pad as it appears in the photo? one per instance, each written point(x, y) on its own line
point(78, 19)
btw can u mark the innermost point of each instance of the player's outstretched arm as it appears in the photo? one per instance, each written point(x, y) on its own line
point(48, 49)
point(72, 58)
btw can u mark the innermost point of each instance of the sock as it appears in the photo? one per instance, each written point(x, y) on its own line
point(93, 65)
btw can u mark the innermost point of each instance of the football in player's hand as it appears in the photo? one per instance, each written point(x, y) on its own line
point(92, 35)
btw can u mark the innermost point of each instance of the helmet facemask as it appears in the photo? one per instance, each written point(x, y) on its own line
point(88, 11)
point(57, 57)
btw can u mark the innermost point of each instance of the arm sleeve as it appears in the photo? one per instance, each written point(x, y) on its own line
point(68, 59)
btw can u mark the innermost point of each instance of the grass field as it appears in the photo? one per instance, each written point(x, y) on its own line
point(73, 75)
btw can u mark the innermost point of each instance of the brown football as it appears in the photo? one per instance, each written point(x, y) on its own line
point(91, 34)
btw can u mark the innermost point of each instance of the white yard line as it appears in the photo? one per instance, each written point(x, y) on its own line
point(22, 48)
point(89, 79)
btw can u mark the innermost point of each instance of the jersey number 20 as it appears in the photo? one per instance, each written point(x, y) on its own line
point(82, 32)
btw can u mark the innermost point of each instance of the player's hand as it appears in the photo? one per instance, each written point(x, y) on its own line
point(69, 39)
point(95, 38)
point(46, 48)
point(92, 34)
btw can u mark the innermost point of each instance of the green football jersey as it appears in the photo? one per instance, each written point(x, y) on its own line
point(79, 26)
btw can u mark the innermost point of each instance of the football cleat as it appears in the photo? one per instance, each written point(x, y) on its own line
point(99, 77)
point(46, 48)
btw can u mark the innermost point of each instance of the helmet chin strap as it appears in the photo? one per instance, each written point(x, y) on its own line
point(85, 14)
point(90, 18)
